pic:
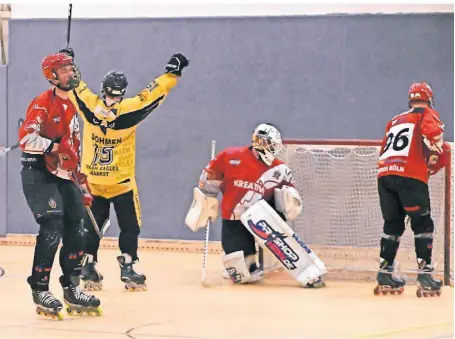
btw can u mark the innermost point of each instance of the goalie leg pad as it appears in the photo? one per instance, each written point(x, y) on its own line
point(274, 235)
point(236, 267)
point(288, 202)
point(203, 208)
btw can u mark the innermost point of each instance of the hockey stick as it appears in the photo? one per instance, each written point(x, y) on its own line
point(207, 232)
point(90, 213)
point(4, 151)
point(68, 32)
point(2, 38)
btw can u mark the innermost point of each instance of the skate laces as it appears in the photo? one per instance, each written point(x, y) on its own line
point(79, 294)
point(46, 297)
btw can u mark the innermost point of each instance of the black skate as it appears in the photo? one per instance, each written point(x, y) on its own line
point(427, 286)
point(387, 283)
point(78, 302)
point(93, 280)
point(47, 305)
point(133, 281)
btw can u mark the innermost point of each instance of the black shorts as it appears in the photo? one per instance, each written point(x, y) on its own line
point(235, 237)
point(49, 196)
point(401, 196)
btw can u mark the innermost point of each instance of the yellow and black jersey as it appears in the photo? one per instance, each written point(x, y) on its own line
point(109, 138)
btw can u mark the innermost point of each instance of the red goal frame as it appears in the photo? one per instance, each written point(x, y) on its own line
point(448, 187)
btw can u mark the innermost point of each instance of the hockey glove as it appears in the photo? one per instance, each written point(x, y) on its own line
point(83, 185)
point(68, 154)
point(69, 51)
point(176, 64)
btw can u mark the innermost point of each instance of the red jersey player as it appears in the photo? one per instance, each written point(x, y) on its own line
point(245, 176)
point(412, 150)
point(49, 140)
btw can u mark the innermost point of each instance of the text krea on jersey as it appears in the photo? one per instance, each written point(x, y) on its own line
point(253, 186)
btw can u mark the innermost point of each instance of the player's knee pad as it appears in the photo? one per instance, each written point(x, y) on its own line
point(239, 268)
point(422, 224)
point(394, 227)
point(50, 232)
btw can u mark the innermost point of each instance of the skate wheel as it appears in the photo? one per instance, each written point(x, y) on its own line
point(376, 290)
point(438, 293)
point(38, 312)
point(98, 312)
point(426, 294)
point(401, 290)
point(384, 292)
point(432, 293)
point(419, 293)
point(392, 292)
point(59, 316)
point(69, 310)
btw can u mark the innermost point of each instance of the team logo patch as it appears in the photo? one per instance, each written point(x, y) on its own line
point(235, 162)
point(275, 242)
point(52, 203)
point(277, 175)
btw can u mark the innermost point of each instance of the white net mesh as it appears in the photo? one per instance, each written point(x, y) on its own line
point(341, 219)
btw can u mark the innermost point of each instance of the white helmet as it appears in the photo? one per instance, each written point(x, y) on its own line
point(267, 141)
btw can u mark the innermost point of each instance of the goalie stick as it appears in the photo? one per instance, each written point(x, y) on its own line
point(207, 233)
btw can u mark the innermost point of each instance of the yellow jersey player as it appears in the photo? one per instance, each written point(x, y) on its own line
point(108, 160)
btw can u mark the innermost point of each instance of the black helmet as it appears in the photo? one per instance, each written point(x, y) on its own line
point(114, 84)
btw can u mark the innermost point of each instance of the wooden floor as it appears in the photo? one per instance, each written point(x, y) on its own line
point(177, 306)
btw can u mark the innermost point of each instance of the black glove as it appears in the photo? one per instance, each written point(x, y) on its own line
point(68, 51)
point(176, 64)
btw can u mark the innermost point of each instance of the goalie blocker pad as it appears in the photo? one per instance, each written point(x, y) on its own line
point(203, 208)
point(273, 234)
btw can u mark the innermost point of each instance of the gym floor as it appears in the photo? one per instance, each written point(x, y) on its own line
point(177, 306)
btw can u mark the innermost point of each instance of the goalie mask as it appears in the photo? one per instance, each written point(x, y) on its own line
point(267, 142)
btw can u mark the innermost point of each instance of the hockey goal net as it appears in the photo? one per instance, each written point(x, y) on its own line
point(341, 218)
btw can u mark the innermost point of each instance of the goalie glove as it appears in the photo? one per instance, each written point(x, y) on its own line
point(176, 64)
point(68, 51)
point(288, 202)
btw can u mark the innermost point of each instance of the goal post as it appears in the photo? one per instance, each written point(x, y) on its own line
point(341, 218)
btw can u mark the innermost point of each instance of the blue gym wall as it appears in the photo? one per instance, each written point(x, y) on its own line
point(314, 77)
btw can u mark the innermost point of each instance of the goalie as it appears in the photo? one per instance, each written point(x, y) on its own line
point(258, 197)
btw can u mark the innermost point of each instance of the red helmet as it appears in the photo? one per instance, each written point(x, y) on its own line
point(421, 91)
point(53, 62)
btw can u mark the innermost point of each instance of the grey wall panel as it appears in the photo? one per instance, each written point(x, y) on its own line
point(315, 77)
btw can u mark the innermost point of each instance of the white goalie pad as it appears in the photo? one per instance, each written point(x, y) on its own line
point(288, 201)
point(274, 235)
point(236, 267)
point(203, 208)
